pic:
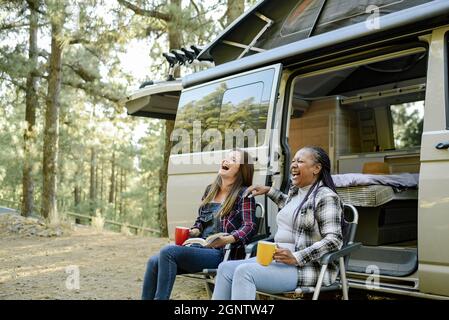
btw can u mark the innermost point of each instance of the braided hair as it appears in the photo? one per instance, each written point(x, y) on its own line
point(325, 177)
point(322, 158)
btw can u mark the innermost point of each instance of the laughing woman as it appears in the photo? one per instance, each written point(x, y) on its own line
point(223, 209)
point(309, 226)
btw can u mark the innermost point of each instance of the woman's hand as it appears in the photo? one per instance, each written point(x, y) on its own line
point(194, 232)
point(253, 191)
point(284, 256)
point(221, 242)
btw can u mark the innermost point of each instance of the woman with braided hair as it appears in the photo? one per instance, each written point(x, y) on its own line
point(309, 226)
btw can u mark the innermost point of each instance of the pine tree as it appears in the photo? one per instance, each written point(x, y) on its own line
point(32, 105)
point(51, 131)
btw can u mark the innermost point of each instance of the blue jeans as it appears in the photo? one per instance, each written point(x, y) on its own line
point(172, 260)
point(239, 279)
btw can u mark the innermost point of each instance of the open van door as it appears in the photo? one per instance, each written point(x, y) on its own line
point(212, 118)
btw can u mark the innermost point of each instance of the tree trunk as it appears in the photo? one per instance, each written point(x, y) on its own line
point(77, 189)
point(97, 169)
point(61, 182)
point(30, 114)
point(93, 188)
point(163, 177)
point(124, 190)
point(121, 194)
point(175, 42)
point(117, 181)
point(112, 187)
point(101, 186)
point(235, 9)
point(51, 130)
point(77, 194)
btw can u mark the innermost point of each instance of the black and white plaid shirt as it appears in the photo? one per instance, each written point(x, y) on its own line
point(317, 232)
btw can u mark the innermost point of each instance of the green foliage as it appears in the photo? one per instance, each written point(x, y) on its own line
point(95, 33)
point(407, 125)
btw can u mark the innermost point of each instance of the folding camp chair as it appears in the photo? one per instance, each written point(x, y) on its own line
point(208, 275)
point(342, 256)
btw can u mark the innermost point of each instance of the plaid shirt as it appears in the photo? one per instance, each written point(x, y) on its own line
point(240, 222)
point(316, 232)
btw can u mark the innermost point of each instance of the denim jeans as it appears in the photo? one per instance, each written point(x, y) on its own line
point(162, 268)
point(239, 279)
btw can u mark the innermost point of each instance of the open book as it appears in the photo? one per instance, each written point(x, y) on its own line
point(204, 242)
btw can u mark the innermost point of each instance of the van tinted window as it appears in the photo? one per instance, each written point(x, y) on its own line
point(224, 114)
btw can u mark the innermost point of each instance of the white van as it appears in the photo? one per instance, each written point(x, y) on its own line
point(368, 91)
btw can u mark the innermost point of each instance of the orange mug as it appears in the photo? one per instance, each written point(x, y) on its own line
point(181, 235)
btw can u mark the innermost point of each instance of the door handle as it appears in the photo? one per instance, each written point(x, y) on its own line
point(442, 145)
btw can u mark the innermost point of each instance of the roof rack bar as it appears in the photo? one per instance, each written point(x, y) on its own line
point(264, 18)
point(268, 24)
point(383, 94)
point(240, 45)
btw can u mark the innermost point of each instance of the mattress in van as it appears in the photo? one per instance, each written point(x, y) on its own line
point(374, 195)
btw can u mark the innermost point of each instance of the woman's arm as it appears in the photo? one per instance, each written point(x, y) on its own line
point(328, 216)
point(275, 195)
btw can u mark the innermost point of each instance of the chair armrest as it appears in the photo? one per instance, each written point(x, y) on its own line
point(227, 252)
point(249, 248)
point(211, 272)
point(343, 252)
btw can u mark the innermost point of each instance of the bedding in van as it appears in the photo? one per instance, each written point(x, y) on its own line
point(403, 180)
point(374, 195)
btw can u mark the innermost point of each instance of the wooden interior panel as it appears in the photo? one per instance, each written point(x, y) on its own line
point(327, 125)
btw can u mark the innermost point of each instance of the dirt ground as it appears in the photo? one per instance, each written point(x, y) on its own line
point(39, 262)
point(111, 266)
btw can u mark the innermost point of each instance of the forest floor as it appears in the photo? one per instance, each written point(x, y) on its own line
point(111, 265)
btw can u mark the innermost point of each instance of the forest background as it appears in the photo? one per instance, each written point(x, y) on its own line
point(67, 145)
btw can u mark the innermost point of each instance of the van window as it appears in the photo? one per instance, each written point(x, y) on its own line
point(366, 111)
point(224, 114)
point(408, 119)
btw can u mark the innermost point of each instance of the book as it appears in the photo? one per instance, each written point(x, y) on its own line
point(204, 242)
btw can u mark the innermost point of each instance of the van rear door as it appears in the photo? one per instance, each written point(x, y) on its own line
point(212, 118)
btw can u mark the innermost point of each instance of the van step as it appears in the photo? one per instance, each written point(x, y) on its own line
point(396, 262)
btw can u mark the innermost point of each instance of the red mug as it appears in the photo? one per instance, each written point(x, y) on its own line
point(181, 235)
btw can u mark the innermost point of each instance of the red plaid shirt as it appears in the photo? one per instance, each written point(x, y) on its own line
point(240, 222)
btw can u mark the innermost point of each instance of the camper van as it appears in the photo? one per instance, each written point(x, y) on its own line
point(365, 80)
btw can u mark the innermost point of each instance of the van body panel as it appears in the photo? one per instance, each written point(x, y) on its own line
point(433, 199)
point(190, 173)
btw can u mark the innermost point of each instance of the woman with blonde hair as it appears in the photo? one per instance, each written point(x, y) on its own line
point(223, 209)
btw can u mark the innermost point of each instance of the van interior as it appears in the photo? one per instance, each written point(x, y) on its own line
point(369, 118)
